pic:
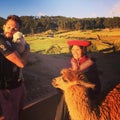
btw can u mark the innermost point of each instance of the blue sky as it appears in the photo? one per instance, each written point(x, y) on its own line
point(68, 8)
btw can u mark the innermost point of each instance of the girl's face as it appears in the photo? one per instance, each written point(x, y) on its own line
point(10, 28)
point(76, 52)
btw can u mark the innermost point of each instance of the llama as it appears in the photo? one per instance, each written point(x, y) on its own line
point(78, 102)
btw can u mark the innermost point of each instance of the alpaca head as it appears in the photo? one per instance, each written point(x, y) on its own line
point(69, 78)
point(18, 39)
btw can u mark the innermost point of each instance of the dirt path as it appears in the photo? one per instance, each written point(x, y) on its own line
point(43, 68)
point(39, 74)
point(41, 96)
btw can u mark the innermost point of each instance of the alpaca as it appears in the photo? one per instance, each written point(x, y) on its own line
point(18, 39)
point(78, 102)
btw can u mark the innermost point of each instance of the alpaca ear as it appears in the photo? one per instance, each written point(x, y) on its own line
point(81, 76)
point(3, 26)
point(90, 85)
point(86, 84)
point(63, 71)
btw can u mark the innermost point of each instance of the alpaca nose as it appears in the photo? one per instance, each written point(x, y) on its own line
point(53, 82)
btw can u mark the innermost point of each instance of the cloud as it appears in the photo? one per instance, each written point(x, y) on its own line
point(41, 14)
point(115, 10)
point(94, 15)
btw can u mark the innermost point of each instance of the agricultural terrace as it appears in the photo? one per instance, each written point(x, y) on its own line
point(52, 42)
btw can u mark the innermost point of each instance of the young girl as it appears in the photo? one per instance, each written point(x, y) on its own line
point(80, 61)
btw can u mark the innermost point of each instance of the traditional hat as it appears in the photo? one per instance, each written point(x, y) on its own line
point(79, 43)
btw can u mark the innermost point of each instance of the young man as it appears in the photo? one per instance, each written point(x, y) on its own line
point(81, 62)
point(11, 82)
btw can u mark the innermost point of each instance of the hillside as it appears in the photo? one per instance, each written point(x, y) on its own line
point(52, 42)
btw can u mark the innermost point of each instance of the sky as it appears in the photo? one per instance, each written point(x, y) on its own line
point(67, 8)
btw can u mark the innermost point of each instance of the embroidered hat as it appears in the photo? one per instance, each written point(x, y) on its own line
point(79, 43)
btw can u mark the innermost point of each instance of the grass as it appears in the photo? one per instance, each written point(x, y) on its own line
point(52, 42)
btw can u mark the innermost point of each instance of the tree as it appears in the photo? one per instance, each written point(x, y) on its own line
point(2, 21)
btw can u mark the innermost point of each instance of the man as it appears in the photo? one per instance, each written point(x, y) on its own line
point(11, 81)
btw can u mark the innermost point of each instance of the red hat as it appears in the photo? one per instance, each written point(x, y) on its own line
point(79, 43)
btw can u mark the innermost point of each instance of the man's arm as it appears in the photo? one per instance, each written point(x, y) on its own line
point(15, 58)
point(20, 61)
point(12, 55)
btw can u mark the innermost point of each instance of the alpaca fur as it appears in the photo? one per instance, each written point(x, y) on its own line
point(19, 41)
point(78, 102)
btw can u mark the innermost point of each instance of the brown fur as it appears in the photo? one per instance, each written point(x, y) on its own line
point(75, 91)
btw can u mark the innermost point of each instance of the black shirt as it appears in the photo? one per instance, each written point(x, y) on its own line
point(9, 72)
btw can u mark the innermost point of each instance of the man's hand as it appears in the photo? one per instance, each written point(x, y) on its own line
point(2, 118)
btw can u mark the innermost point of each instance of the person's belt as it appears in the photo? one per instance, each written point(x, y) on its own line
point(10, 84)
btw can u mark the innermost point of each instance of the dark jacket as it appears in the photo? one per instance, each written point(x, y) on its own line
point(89, 68)
point(9, 72)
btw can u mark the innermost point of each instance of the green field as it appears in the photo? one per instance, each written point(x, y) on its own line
point(56, 42)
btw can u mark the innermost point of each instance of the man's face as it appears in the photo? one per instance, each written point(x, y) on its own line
point(10, 28)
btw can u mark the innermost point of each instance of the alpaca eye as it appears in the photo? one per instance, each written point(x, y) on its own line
point(64, 80)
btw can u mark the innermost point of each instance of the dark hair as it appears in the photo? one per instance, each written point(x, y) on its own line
point(81, 47)
point(15, 18)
